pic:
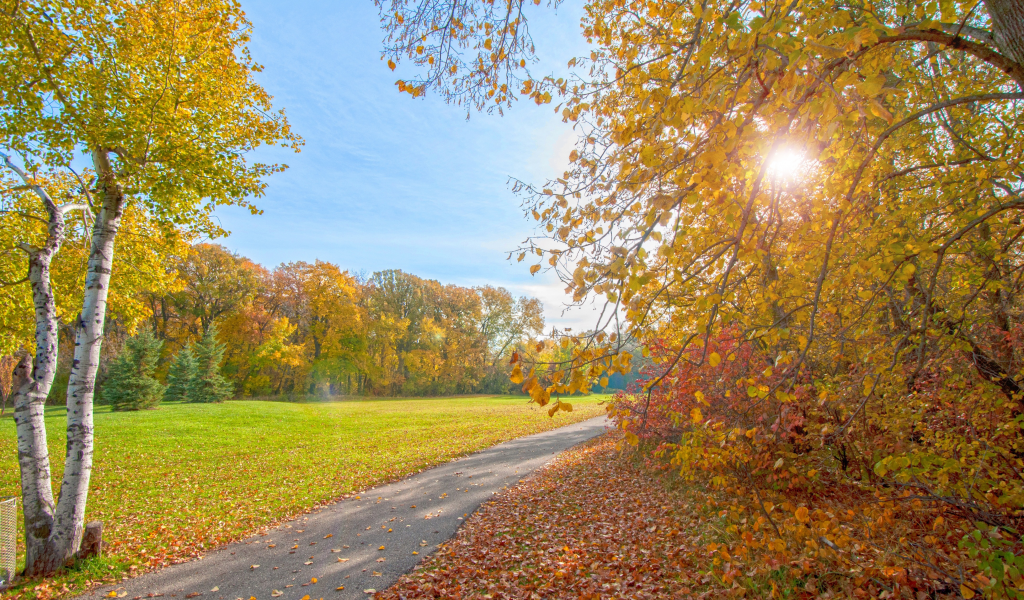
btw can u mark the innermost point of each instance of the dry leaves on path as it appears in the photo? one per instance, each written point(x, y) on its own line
point(588, 526)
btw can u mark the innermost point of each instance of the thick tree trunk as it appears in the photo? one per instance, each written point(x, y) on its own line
point(1008, 27)
point(69, 517)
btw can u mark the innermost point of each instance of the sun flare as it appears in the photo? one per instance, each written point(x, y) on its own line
point(785, 164)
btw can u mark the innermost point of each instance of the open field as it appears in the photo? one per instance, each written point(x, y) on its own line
point(172, 483)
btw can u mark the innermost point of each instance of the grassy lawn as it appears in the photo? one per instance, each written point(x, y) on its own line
point(174, 482)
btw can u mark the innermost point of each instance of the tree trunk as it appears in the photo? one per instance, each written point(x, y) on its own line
point(33, 378)
point(69, 518)
point(1008, 27)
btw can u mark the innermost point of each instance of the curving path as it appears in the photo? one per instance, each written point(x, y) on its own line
point(360, 544)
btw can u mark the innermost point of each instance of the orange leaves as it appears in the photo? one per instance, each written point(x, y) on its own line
point(802, 515)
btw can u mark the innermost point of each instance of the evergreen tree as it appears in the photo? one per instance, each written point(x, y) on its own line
point(180, 375)
point(131, 385)
point(209, 385)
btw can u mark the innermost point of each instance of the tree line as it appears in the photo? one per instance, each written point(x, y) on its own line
point(315, 329)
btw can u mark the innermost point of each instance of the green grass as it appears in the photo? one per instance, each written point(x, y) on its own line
point(175, 482)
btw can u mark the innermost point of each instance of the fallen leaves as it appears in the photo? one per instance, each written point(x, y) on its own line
point(582, 527)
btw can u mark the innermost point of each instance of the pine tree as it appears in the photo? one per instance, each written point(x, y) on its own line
point(131, 385)
point(180, 376)
point(209, 385)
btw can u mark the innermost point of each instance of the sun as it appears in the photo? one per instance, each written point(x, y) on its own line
point(785, 164)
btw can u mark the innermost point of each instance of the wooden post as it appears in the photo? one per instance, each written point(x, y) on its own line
point(92, 540)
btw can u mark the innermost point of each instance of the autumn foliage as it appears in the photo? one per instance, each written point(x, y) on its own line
point(313, 329)
point(915, 485)
point(808, 216)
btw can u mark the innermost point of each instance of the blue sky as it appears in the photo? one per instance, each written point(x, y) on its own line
point(386, 181)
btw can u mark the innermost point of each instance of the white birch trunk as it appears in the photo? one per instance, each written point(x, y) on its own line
point(69, 517)
point(53, 533)
point(33, 378)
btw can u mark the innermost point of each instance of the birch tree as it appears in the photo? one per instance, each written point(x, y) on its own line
point(159, 97)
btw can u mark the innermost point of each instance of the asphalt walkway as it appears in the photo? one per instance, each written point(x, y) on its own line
point(361, 544)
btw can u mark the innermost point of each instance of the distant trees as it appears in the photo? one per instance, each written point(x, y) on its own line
point(312, 328)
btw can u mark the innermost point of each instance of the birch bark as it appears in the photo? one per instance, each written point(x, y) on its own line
point(69, 517)
point(33, 378)
point(53, 532)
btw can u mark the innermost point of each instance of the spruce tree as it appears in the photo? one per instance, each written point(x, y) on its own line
point(209, 385)
point(131, 385)
point(180, 376)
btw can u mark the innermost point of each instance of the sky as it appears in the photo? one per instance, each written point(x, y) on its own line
point(385, 181)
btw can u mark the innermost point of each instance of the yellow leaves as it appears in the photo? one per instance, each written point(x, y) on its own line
point(871, 86)
point(632, 439)
point(534, 269)
point(966, 591)
point(488, 43)
point(699, 395)
point(714, 359)
point(696, 416)
point(516, 375)
point(391, 64)
point(878, 110)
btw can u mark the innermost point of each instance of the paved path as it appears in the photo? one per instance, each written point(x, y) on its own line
point(360, 544)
